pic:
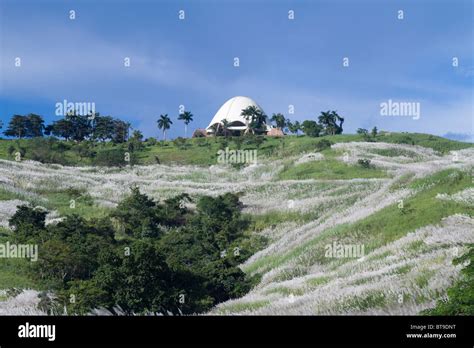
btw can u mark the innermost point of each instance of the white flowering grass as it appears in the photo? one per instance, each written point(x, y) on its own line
point(294, 281)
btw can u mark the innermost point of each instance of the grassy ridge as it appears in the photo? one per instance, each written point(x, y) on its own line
point(203, 151)
point(386, 225)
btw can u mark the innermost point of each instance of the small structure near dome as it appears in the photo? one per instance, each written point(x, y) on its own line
point(275, 132)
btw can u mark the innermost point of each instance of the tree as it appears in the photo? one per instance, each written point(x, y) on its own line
point(362, 131)
point(34, 126)
point(27, 222)
point(17, 127)
point(255, 119)
point(328, 120)
point(164, 123)
point(137, 215)
point(279, 120)
point(81, 126)
point(103, 128)
point(225, 127)
point(62, 129)
point(311, 128)
point(140, 282)
point(187, 117)
point(374, 132)
point(339, 119)
point(121, 129)
point(135, 141)
point(293, 127)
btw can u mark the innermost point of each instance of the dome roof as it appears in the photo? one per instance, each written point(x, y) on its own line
point(231, 111)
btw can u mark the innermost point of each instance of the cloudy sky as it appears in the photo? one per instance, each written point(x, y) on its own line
point(282, 62)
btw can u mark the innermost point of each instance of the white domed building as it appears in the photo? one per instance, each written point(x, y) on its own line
point(231, 111)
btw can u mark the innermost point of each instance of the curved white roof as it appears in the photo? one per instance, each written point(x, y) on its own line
point(231, 111)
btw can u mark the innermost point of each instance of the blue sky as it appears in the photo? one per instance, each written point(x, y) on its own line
point(282, 62)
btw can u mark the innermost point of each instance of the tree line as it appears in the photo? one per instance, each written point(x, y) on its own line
point(328, 123)
point(71, 127)
point(96, 127)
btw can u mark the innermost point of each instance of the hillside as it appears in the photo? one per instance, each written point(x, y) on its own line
point(196, 151)
point(406, 198)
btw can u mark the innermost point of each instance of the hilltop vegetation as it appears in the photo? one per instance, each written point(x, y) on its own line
point(195, 151)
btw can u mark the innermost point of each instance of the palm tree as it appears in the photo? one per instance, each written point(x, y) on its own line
point(187, 117)
point(225, 126)
point(255, 118)
point(325, 120)
point(249, 114)
point(338, 118)
point(164, 123)
point(279, 120)
point(328, 120)
point(293, 127)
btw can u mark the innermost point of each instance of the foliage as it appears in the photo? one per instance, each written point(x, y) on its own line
point(328, 121)
point(311, 128)
point(164, 123)
point(363, 162)
point(460, 300)
point(256, 119)
point(28, 126)
point(170, 262)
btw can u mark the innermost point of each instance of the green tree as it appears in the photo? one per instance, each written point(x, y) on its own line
point(374, 132)
point(294, 127)
point(62, 129)
point(255, 118)
point(225, 127)
point(137, 214)
point(164, 123)
point(311, 128)
point(279, 120)
point(81, 126)
point(121, 129)
point(27, 222)
point(328, 121)
point(17, 127)
point(35, 125)
point(138, 283)
point(186, 117)
point(103, 128)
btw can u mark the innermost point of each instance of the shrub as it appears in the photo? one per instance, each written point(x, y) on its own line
point(365, 163)
point(110, 158)
point(151, 141)
point(323, 144)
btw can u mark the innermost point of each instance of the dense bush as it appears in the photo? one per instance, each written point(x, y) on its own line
point(365, 163)
point(171, 260)
point(114, 157)
point(323, 145)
